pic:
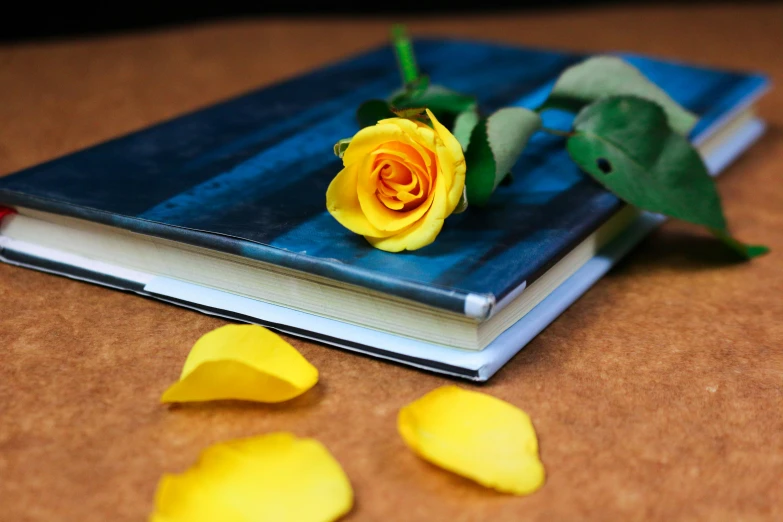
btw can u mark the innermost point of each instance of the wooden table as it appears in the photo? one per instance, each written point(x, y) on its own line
point(658, 395)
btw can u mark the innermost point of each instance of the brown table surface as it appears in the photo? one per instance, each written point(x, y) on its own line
point(658, 395)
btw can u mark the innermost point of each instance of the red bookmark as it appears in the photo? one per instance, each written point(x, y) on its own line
point(6, 211)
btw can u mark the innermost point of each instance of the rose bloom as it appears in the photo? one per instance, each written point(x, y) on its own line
point(400, 180)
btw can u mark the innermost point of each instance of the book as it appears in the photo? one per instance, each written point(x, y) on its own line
point(223, 210)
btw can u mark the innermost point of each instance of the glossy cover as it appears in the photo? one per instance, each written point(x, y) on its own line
point(248, 176)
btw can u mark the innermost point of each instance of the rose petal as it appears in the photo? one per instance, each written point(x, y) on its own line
point(405, 153)
point(474, 435)
point(417, 135)
point(422, 232)
point(342, 202)
point(273, 477)
point(246, 362)
point(392, 203)
point(370, 138)
point(453, 150)
point(378, 215)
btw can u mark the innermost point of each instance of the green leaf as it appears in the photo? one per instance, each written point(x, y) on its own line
point(480, 174)
point(495, 145)
point(508, 131)
point(604, 76)
point(436, 98)
point(372, 111)
point(340, 146)
point(744, 251)
point(463, 126)
point(626, 144)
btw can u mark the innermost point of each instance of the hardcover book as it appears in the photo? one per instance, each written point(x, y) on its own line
point(223, 210)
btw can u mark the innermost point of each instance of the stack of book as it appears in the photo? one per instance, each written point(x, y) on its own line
point(223, 210)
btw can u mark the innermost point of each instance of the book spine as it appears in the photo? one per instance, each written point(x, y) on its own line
point(472, 305)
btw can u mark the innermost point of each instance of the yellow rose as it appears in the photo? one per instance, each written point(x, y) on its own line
point(400, 180)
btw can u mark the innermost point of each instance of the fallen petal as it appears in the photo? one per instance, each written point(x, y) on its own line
point(246, 362)
point(474, 435)
point(272, 477)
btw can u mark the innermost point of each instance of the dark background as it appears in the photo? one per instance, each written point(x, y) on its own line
point(22, 20)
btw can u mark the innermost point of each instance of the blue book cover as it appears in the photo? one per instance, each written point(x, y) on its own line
point(248, 176)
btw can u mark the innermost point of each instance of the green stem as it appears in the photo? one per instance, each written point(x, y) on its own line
point(406, 59)
point(556, 132)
